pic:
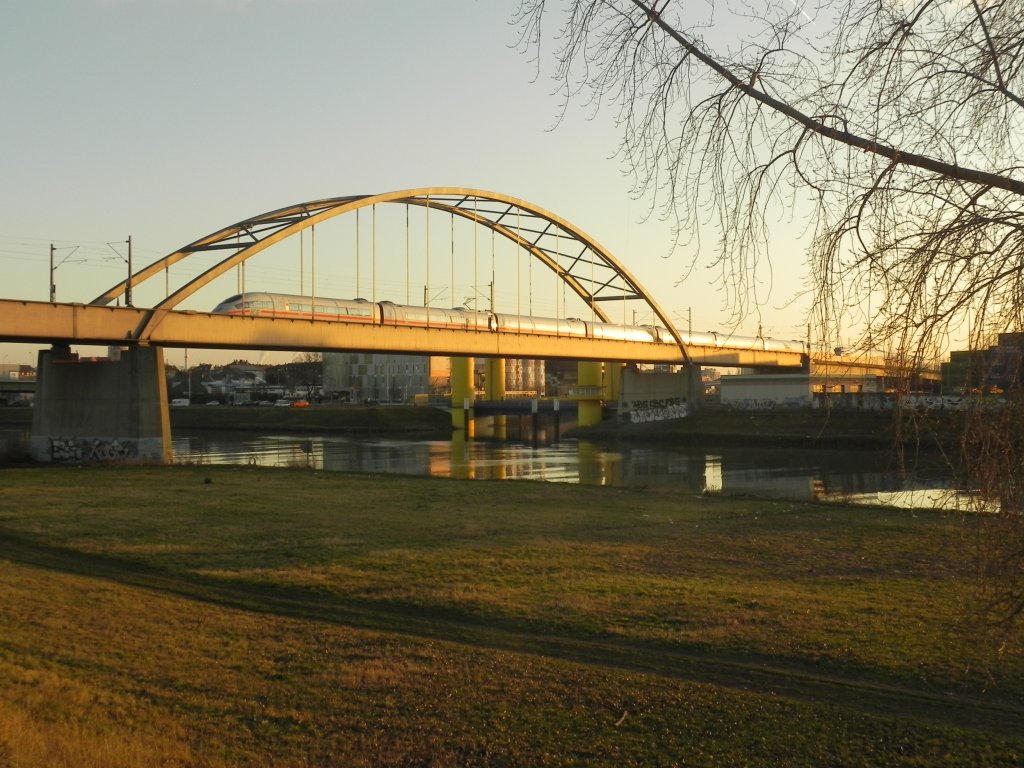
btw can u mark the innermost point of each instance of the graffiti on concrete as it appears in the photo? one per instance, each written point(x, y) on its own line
point(661, 409)
point(65, 449)
point(77, 450)
point(764, 404)
point(939, 402)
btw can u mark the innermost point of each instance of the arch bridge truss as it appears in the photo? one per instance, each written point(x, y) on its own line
point(582, 264)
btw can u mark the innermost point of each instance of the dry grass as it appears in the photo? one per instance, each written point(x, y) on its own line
point(197, 616)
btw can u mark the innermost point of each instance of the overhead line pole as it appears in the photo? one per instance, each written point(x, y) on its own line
point(128, 282)
point(53, 267)
point(128, 287)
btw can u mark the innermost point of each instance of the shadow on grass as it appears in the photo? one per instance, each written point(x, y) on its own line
point(798, 681)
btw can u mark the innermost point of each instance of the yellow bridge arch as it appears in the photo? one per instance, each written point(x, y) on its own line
point(586, 267)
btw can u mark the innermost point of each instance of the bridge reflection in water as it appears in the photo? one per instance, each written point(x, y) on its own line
point(690, 471)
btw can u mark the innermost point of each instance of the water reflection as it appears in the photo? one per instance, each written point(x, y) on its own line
point(778, 473)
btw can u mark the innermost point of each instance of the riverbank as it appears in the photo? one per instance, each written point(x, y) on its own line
point(791, 428)
point(209, 616)
point(794, 428)
point(395, 420)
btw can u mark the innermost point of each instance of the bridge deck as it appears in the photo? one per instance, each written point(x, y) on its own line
point(46, 323)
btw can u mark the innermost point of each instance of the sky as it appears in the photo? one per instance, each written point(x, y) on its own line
point(166, 120)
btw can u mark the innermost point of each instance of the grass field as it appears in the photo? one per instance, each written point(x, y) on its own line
point(203, 616)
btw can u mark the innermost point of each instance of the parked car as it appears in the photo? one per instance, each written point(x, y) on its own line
point(300, 403)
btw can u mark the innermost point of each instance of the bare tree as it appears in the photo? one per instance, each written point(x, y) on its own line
point(892, 130)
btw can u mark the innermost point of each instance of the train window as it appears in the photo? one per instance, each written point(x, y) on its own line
point(355, 311)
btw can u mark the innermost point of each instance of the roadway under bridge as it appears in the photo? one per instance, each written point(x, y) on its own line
point(17, 386)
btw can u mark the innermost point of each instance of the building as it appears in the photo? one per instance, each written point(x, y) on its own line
point(17, 384)
point(993, 370)
point(361, 376)
point(801, 390)
point(523, 378)
point(237, 383)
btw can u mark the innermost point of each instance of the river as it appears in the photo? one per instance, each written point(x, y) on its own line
point(771, 472)
point(823, 475)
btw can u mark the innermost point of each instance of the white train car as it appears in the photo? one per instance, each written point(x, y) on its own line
point(458, 318)
point(259, 304)
point(543, 326)
point(299, 307)
point(622, 332)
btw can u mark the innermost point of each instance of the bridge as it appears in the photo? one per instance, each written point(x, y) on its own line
point(582, 267)
point(43, 322)
point(509, 244)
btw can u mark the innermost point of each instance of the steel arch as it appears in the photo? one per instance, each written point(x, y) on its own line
point(583, 264)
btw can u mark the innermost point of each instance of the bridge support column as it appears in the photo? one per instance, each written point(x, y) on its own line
point(589, 380)
point(613, 380)
point(463, 394)
point(660, 395)
point(94, 411)
point(494, 387)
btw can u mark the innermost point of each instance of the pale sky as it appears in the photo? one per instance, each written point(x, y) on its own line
point(167, 120)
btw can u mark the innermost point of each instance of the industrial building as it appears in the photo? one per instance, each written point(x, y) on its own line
point(988, 371)
point(361, 376)
point(398, 378)
point(802, 390)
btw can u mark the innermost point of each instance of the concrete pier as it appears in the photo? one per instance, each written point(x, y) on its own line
point(590, 378)
point(495, 426)
point(101, 410)
point(659, 395)
point(463, 395)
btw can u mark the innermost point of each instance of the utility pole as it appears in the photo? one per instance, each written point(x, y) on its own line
point(128, 287)
point(53, 268)
point(128, 282)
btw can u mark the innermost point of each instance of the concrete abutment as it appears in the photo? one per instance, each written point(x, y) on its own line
point(101, 410)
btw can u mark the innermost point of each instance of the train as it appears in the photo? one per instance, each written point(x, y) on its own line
point(283, 305)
